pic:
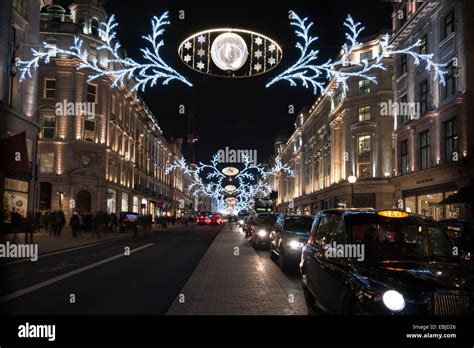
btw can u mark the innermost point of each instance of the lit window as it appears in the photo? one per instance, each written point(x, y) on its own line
point(94, 26)
point(112, 106)
point(48, 127)
point(47, 162)
point(364, 113)
point(424, 44)
point(364, 144)
point(49, 90)
point(92, 53)
point(91, 93)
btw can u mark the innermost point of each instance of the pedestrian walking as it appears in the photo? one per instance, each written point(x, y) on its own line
point(75, 224)
point(59, 221)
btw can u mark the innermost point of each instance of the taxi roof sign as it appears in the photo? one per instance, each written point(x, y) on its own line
point(393, 213)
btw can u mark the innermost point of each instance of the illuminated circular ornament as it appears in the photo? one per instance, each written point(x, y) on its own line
point(231, 200)
point(229, 51)
point(232, 53)
point(230, 171)
point(230, 188)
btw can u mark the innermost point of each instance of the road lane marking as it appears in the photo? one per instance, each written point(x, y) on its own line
point(32, 288)
point(17, 276)
point(65, 251)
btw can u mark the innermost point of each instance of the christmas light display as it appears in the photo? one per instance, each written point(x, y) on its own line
point(124, 68)
point(207, 180)
point(308, 73)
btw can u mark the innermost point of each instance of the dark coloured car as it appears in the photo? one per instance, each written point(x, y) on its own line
point(204, 218)
point(261, 229)
point(287, 240)
point(128, 221)
point(386, 262)
point(215, 219)
point(461, 233)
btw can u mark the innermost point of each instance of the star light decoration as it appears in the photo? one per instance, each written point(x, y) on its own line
point(142, 74)
point(308, 73)
point(251, 181)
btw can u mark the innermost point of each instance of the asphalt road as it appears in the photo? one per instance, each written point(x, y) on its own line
point(103, 281)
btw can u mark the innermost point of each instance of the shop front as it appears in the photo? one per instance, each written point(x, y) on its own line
point(427, 202)
point(15, 198)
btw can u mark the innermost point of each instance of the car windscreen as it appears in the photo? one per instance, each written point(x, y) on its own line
point(266, 220)
point(401, 240)
point(298, 224)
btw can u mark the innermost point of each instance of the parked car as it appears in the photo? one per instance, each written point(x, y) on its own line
point(384, 262)
point(128, 221)
point(461, 233)
point(261, 228)
point(203, 218)
point(290, 234)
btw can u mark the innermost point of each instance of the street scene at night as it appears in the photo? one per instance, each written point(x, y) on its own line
point(170, 163)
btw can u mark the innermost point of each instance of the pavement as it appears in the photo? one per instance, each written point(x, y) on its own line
point(48, 244)
point(234, 279)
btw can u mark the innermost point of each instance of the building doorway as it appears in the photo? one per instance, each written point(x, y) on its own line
point(83, 202)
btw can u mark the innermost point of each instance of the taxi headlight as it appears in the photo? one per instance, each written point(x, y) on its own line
point(294, 244)
point(393, 300)
point(262, 233)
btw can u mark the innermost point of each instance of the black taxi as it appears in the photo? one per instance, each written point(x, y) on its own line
point(384, 262)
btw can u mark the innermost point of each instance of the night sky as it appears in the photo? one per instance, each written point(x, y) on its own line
point(238, 113)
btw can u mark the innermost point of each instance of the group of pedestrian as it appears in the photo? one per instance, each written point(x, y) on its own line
point(52, 221)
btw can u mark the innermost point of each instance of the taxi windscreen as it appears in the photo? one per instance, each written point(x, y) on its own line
point(403, 240)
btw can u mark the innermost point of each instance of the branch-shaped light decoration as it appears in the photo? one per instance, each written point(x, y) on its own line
point(142, 74)
point(251, 181)
point(307, 72)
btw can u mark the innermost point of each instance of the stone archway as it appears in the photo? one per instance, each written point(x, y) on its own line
point(83, 202)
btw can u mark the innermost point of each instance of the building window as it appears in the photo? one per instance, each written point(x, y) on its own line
point(403, 65)
point(48, 129)
point(92, 53)
point(364, 86)
point(112, 135)
point(94, 26)
point(451, 140)
point(366, 55)
point(47, 162)
point(364, 170)
point(403, 110)
point(45, 195)
point(364, 113)
point(404, 165)
point(20, 7)
point(91, 93)
point(52, 47)
point(423, 90)
point(364, 144)
point(89, 130)
point(424, 150)
point(120, 111)
point(449, 89)
point(448, 25)
point(49, 90)
point(424, 44)
point(113, 104)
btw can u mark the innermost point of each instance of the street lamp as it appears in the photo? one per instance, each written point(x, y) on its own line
point(352, 179)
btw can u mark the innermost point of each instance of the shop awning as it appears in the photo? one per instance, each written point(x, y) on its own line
point(464, 195)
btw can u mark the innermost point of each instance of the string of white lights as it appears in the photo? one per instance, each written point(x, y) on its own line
point(124, 68)
point(305, 71)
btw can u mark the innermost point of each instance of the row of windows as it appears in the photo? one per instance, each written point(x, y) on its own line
point(450, 148)
point(49, 91)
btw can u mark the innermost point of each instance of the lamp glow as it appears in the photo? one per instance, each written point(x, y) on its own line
point(229, 51)
point(393, 300)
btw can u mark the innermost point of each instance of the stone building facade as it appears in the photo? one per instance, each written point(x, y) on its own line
point(434, 146)
point(337, 137)
point(110, 155)
point(19, 31)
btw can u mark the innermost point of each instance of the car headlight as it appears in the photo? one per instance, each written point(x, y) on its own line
point(241, 222)
point(262, 233)
point(294, 244)
point(393, 300)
